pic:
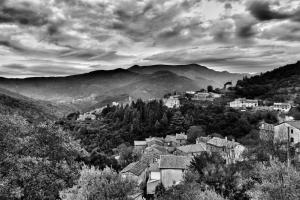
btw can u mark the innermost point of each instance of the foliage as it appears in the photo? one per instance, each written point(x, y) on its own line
point(194, 132)
point(277, 182)
point(124, 124)
point(189, 192)
point(224, 179)
point(36, 161)
point(95, 184)
point(278, 85)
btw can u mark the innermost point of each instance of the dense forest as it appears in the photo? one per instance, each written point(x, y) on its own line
point(121, 125)
point(281, 84)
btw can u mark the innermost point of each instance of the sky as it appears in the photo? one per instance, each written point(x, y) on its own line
point(64, 37)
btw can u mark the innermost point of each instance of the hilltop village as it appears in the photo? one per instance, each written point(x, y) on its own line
point(161, 160)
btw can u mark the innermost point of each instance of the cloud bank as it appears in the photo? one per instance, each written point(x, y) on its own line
point(61, 37)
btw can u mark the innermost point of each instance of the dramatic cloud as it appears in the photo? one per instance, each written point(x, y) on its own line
point(59, 37)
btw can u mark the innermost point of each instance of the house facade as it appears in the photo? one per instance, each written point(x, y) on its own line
point(243, 103)
point(287, 130)
point(266, 131)
point(172, 169)
point(283, 107)
point(139, 146)
point(172, 102)
point(231, 151)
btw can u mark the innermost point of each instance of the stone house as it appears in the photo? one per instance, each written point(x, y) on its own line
point(172, 169)
point(285, 130)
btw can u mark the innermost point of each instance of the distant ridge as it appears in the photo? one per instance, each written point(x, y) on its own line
point(95, 88)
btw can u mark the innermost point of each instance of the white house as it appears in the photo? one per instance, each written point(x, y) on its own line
point(172, 101)
point(285, 130)
point(154, 178)
point(283, 107)
point(172, 169)
point(243, 103)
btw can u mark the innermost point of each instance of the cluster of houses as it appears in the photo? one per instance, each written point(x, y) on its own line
point(287, 132)
point(174, 101)
point(164, 160)
point(243, 103)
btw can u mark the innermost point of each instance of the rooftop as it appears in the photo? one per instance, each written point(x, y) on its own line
point(174, 162)
point(193, 148)
point(219, 142)
point(136, 168)
point(295, 124)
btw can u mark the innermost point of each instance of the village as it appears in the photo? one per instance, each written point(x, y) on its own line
point(164, 160)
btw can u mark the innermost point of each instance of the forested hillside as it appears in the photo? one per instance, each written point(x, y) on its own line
point(32, 110)
point(281, 84)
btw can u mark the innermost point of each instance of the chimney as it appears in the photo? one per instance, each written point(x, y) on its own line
point(226, 138)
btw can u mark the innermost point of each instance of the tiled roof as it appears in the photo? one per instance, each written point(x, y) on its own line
point(295, 124)
point(174, 162)
point(203, 139)
point(136, 168)
point(181, 136)
point(140, 143)
point(193, 148)
point(215, 141)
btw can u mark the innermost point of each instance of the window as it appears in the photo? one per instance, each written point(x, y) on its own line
point(292, 140)
point(292, 131)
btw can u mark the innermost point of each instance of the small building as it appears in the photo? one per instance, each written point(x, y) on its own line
point(172, 169)
point(200, 96)
point(181, 138)
point(282, 107)
point(285, 130)
point(191, 150)
point(266, 131)
point(139, 146)
point(231, 151)
point(243, 103)
point(135, 171)
point(172, 101)
point(154, 178)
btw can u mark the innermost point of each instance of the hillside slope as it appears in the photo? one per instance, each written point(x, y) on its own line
point(32, 110)
point(281, 84)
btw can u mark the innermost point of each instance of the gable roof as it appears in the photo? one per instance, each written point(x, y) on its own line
point(219, 142)
point(136, 168)
point(174, 162)
point(295, 124)
point(193, 148)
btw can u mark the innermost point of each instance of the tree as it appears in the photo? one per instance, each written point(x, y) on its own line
point(224, 179)
point(36, 160)
point(194, 132)
point(277, 182)
point(177, 123)
point(210, 88)
point(95, 184)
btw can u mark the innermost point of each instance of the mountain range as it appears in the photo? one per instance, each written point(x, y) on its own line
point(96, 88)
